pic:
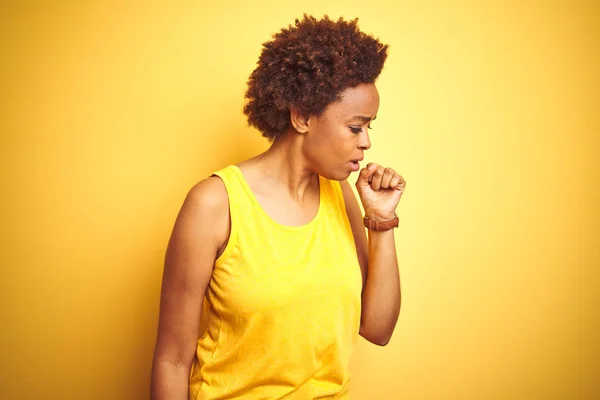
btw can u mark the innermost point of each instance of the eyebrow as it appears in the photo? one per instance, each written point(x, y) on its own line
point(364, 118)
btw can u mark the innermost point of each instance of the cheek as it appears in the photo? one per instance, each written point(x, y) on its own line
point(341, 144)
point(330, 143)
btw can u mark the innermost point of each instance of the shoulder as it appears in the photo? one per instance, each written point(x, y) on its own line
point(205, 213)
point(209, 195)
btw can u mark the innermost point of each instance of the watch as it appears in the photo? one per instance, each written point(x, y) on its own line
point(381, 226)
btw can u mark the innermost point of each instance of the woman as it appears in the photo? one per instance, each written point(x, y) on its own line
point(277, 244)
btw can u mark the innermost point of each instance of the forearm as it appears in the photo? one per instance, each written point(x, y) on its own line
point(170, 381)
point(381, 293)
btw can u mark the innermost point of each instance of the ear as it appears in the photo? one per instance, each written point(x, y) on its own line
point(298, 120)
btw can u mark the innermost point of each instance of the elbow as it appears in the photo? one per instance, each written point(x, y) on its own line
point(378, 338)
point(381, 341)
point(378, 330)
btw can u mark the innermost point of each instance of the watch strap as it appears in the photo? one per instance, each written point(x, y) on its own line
point(381, 226)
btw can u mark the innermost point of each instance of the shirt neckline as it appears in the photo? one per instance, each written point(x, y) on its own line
point(257, 205)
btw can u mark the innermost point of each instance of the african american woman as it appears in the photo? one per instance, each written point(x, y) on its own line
point(277, 244)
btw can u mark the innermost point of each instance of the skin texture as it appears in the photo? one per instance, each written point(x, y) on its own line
point(284, 180)
point(340, 134)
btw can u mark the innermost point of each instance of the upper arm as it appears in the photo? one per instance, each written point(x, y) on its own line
point(358, 230)
point(200, 231)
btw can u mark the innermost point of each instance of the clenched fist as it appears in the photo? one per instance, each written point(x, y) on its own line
point(380, 190)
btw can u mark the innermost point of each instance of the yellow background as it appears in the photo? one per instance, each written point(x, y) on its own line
point(110, 112)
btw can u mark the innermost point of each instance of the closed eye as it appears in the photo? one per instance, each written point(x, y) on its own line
point(358, 130)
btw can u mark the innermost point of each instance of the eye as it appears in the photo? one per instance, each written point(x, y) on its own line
point(358, 130)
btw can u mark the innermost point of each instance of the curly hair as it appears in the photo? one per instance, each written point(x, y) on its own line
point(306, 67)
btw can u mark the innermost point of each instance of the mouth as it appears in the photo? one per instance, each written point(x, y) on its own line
point(355, 164)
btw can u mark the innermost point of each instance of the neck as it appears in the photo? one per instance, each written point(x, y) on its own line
point(285, 164)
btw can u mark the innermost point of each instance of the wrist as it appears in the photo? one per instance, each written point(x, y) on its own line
point(380, 226)
point(380, 217)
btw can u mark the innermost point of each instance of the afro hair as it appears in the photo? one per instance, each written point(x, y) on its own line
point(306, 67)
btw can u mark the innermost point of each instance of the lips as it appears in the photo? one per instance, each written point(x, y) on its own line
point(355, 164)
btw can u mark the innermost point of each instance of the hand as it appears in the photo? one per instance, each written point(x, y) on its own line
point(380, 190)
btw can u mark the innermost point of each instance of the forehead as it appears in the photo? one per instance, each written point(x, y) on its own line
point(359, 100)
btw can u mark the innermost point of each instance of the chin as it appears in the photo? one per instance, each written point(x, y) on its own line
point(336, 175)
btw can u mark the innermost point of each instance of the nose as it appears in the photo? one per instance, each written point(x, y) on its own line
point(364, 143)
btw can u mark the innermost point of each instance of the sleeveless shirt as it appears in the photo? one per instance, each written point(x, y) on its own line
point(283, 303)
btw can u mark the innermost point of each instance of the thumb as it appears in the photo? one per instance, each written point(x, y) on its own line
point(365, 175)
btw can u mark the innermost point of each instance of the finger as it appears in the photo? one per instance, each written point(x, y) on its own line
point(396, 179)
point(377, 178)
point(366, 174)
point(388, 174)
point(401, 184)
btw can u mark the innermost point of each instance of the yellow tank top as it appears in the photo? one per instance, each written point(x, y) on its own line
point(283, 304)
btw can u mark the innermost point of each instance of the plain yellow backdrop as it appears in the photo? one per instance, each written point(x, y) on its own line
point(111, 111)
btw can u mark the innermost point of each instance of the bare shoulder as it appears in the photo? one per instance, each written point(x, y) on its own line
point(205, 213)
point(200, 231)
point(208, 195)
